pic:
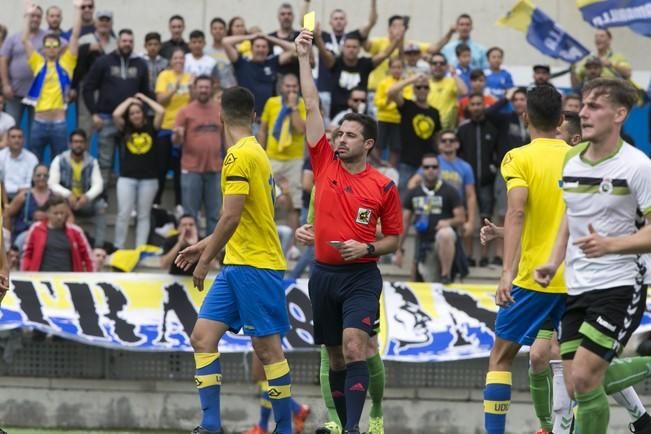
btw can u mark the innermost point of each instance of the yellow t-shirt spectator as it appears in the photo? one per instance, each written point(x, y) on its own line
point(387, 110)
point(269, 115)
point(443, 97)
point(609, 72)
point(377, 46)
point(165, 82)
point(51, 97)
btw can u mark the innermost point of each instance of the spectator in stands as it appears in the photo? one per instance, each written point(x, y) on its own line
point(236, 27)
point(615, 65)
point(16, 163)
point(92, 46)
point(15, 74)
point(99, 259)
point(26, 207)
point(54, 245)
point(541, 74)
point(477, 85)
point(414, 62)
point(53, 18)
point(196, 62)
point(114, 78)
point(139, 170)
point(188, 234)
point(592, 68)
point(435, 210)
point(173, 93)
point(287, 33)
point(570, 129)
point(444, 90)
point(462, 53)
point(155, 62)
point(334, 42)
point(356, 104)
point(388, 116)
point(217, 51)
point(463, 29)
point(419, 123)
point(258, 74)
point(177, 27)
point(49, 91)
point(397, 29)
point(75, 175)
point(282, 134)
point(198, 129)
point(572, 103)
point(498, 80)
point(6, 122)
point(349, 70)
point(87, 21)
point(478, 139)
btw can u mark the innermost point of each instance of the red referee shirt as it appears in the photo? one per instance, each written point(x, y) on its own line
point(347, 206)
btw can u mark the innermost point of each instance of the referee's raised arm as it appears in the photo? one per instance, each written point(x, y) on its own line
point(314, 128)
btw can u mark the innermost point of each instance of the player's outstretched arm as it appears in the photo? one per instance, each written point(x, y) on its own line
point(314, 128)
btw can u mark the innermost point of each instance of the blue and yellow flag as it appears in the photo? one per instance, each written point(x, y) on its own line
point(635, 14)
point(543, 32)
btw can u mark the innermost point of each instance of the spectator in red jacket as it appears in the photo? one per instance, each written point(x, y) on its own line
point(54, 245)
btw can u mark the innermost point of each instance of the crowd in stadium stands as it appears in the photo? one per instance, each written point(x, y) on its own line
point(447, 113)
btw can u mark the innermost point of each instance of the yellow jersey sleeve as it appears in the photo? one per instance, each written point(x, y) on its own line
point(35, 62)
point(68, 62)
point(377, 45)
point(236, 173)
point(266, 112)
point(515, 170)
point(162, 82)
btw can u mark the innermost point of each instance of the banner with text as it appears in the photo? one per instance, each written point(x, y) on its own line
point(150, 312)
point(636, 14)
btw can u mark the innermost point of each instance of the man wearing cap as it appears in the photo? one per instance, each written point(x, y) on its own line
point(614, 65)
point(414, 62)
point(91, 46)
point(541, 74)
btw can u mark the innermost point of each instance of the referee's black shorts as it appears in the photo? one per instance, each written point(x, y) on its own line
point(344, 296)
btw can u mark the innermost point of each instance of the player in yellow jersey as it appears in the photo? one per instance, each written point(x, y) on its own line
point(248, 293)
point(534, 213)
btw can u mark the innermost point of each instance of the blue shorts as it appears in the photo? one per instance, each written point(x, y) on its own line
point(248, 298)
point(521, 321)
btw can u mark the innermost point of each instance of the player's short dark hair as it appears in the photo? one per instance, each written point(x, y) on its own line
point(153, 36)
point(461, 48)
point(491, 49)
point(197, 34)
point(477, 73)
point(573, 122)
point(54, 200)
point(176, 17)
point(544, 107)
point(238, 103)
point(125, 32)
point(369, 125)
point(617, 91)
point(217, 20)
point(393, 18)
point(78, 132)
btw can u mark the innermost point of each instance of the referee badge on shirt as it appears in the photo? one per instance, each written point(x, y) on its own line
point(606, 186)
point(363, 216)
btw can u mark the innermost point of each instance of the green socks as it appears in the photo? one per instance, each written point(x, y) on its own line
point(623, 373)
point(324, 380)
point(592, 411)
point(540, 385)
point(376, 386)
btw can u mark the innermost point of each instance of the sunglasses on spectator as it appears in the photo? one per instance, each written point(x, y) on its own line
point(430, 166)
point(87, 6)
point(421, 87)
point(437, 63)
point(51, 44)
point(448, 140)
point(41, 175)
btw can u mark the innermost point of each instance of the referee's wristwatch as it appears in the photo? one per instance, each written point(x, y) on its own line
point(370, 249)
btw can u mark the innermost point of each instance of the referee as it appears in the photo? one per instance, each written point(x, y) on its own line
point(345, 286)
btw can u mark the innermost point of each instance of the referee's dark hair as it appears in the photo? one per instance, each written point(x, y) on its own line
point(544, 107)
point(369, 126)
point(238, 106)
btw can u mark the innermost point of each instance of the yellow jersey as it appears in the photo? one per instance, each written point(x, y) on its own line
point(291, 150)
point(51, 97)
point(165, 82)
point(387, 110)
point(443, 97)
point(377, 46)
point(247, 171)
point(538, 167)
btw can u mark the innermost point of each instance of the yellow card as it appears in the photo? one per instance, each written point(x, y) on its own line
point(309, 21)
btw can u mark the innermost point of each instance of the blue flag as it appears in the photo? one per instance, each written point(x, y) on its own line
point(543, 32)
point(635, 14)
